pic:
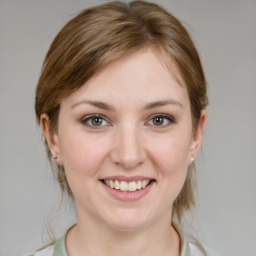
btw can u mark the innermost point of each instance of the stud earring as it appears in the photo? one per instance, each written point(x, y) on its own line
point(192, 160)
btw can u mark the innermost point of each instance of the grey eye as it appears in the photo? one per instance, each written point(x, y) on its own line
point(161, 120)
point(158, 121)
point(96, 121)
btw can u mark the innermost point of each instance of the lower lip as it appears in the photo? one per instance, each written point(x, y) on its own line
point(127, 195)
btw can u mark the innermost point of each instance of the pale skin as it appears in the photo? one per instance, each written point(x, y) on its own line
point(130, 120)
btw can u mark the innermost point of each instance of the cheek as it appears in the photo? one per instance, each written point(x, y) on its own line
point(170, 158)
point(82, 155)
point(82, 159)
point(171, 154)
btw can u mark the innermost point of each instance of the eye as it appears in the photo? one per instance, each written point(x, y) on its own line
point(161, 120)
point(95, 121)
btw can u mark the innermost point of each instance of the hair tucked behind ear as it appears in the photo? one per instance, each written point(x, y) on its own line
point(100, 35)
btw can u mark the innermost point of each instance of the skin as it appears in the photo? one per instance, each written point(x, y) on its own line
point(130, 141)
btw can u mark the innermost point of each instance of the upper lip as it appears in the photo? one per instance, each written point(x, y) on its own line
point(127, 179)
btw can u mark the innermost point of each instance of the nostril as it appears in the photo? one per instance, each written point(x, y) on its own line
point(130, 163)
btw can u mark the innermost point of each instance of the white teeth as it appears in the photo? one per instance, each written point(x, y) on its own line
point(127, 186)
point(117, 185)
point(144, 183)
point(132, 186)
point(111, 183)
point(139, 184)
point(124, 186)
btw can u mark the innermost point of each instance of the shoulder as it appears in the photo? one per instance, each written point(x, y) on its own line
point(48, 251)
point(195, 251)
point(56, 249)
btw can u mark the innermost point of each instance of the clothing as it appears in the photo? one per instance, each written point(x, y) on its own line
point(59, 249)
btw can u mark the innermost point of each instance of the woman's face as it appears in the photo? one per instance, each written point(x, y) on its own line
point(125, 139)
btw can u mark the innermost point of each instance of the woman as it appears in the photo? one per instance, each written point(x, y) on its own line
point(121, 101)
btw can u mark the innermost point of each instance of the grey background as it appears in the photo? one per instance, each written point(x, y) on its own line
point(225, 34)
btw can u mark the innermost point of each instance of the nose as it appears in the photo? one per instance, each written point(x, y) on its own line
point(128, 147)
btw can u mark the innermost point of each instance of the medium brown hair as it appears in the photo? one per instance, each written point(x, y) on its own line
point(100, 35)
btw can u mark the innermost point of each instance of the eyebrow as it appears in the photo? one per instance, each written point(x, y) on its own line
point(102, 105)
point(98, 104)
point(162, 103)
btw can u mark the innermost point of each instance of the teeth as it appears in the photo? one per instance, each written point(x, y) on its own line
point(127, 186)
point(111, 183)
point(132, 186)
point(117, 185)
point(144, 183)
point(139, 184)
point(124, 186)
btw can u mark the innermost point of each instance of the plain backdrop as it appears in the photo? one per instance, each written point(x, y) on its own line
point(225, 35)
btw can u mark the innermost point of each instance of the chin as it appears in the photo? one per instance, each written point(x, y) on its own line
point(128, 220)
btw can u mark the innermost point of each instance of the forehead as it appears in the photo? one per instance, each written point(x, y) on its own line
point(140, 77)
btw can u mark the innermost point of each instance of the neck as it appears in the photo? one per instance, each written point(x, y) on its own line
point(91, 238)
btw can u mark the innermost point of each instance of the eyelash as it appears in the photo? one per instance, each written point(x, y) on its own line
point(89, 118)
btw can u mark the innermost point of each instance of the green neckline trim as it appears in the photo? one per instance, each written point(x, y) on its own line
point(184, 246)
point(60, 247)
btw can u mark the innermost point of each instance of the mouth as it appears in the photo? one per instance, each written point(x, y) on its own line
point(128, 188)
point(127, 185)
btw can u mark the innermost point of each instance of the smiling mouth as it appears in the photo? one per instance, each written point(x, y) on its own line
point(127, 186)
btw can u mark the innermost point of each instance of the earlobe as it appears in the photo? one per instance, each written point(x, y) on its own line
point(51, 138)
point(197, 137)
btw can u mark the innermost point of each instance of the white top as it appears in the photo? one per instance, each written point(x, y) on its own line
point(59, 249)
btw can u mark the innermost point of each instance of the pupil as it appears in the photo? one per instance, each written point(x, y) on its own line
point(158, 121)
point(97, 121)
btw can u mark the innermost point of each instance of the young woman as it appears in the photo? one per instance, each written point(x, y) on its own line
point(121, 101)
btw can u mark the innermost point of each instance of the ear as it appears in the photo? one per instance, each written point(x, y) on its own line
point(51, 138)
point(197, 138)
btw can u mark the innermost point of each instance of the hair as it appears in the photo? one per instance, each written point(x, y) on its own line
point(96, 37)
